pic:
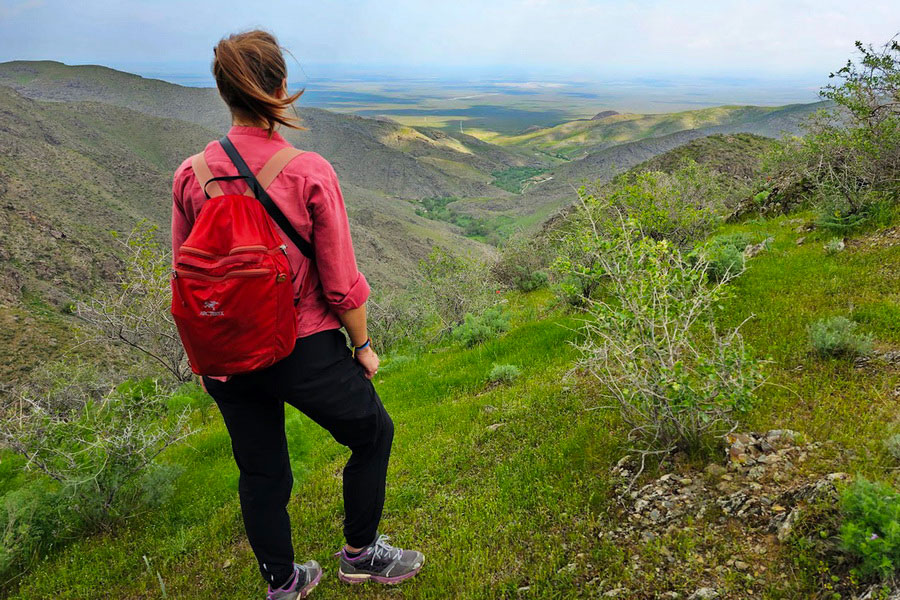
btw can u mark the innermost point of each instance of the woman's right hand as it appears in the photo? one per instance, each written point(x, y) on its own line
point(369, 361)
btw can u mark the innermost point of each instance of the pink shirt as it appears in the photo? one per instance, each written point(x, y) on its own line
point(308, 194)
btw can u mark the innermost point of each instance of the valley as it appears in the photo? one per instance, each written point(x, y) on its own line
point(89, 150)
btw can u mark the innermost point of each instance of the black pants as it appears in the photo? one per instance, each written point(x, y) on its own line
point(321, 379)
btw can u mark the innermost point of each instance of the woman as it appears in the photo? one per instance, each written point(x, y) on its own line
point(321, 377)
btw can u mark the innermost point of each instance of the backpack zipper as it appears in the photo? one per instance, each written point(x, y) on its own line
point(239, 273)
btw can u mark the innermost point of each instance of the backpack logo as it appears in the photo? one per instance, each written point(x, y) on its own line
point(210, 306)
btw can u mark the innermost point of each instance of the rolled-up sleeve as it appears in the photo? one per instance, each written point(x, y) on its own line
point(343, 285)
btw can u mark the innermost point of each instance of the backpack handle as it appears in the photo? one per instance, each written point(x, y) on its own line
point(260, 192)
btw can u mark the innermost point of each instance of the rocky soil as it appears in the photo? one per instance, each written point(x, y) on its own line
point(767, 493)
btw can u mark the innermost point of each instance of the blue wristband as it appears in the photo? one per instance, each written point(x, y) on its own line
point(366, 344)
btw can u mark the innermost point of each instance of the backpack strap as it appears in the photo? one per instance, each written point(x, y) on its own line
point(204, 176)
point(276, 165)
point(259, 191)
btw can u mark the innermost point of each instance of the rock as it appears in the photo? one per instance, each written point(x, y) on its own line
point(715, 470)
point(613, 593)
point(741, 565)
point(753, 249)
point(800, 240)
point(787, 526)
point(226, 564)
point(837, 247)
point(495, 426)
point(524, 588)
point(704, 593)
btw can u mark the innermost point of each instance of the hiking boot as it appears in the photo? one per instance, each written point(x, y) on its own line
point(381, 562)
point(305, 578)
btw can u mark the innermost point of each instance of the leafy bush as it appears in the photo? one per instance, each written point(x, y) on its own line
point(652, 344)
point(32, 518)
point(533, 281)
point(503, 373)
point(871, 528)
point(477, 329)
point(837, 337)
point(846, 163)
point(725, 255)
point(683, 206)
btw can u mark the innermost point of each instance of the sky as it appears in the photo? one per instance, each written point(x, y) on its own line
point(516, 39)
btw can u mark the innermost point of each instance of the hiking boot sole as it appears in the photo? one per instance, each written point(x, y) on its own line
point(355, 578)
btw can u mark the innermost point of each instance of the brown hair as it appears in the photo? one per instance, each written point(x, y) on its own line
point(249, 69)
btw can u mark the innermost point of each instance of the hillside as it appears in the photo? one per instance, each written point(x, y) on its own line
point(478, 468)
point(374, 154)
point(379, 160)
point(577, 139)
point(74, 171)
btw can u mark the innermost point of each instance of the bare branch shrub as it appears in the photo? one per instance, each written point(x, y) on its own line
point(136, 314)
point(397, 318)
point(98, 450)
point(453, 285)
point(651, 341)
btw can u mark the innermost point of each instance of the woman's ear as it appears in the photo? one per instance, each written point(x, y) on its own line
point(282, 91)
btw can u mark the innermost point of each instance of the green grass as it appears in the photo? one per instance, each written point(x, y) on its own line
point(521, 505)
point(791, 286)
point(470, 498)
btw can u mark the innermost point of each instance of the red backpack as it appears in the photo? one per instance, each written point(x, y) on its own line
point(232, 294)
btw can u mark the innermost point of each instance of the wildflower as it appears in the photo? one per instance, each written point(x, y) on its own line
point(874, 537)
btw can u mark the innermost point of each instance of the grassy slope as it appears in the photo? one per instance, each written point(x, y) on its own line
point(495, 511)
point(576, 139)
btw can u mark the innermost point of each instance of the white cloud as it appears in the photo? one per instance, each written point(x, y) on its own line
point(589, 36)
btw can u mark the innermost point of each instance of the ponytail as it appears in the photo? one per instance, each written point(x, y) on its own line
point(249, 69)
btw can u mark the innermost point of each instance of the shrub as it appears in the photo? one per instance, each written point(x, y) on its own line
point(683, 206)
point(834, 245)
point(454, 285)
point(32, 518)
point(892, 445)
point(837, 337)
point(847, 160)
point(398, 318)
point(136, 314)
point(477, 329)
point(652, 344)
point(522, 262)
point(503, 373)
point(725, 255)
point(871, 528)
point(528, 282)
point(99, 452)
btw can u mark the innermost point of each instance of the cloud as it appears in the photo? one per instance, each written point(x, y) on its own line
point(589, 37)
